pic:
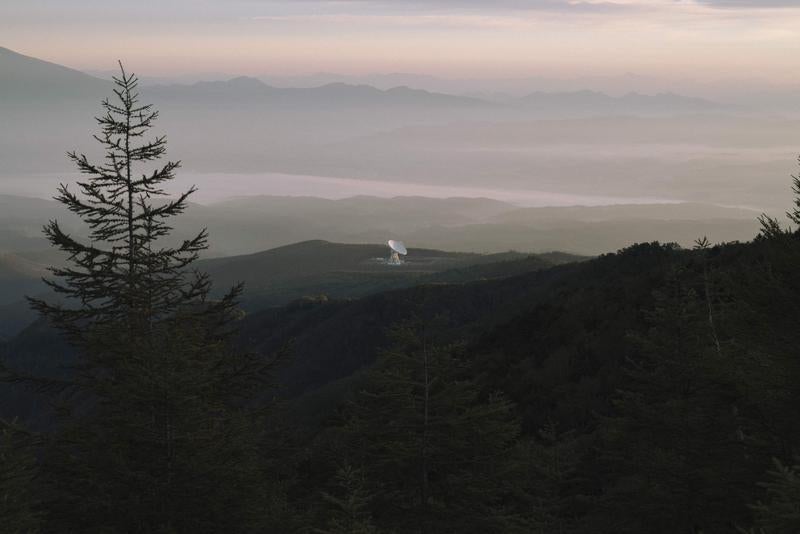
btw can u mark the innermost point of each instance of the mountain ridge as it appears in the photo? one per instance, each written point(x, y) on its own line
point(34, 78)
point(253, 86)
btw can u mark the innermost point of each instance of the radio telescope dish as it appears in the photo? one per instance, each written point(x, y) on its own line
point(398, 246)
point(396, 249)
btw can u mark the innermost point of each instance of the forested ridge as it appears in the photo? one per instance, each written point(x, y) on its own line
point(648, 390)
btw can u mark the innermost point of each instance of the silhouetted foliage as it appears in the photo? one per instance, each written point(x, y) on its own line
point(438, 455)
point(672, 430)
point(780, 512)
point(349, 507)
point(159, 431)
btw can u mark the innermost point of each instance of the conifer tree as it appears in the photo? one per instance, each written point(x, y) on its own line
point(766, 335)
point(437, 453)
point(672, 430)
point(767, 367)
point(772, 227)
point(349, 506)
point(161, 429)
point(780, 512)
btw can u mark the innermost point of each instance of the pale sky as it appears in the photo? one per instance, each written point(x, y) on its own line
point(704, 40)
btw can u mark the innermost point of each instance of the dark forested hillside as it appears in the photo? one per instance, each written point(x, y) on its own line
point(564, 345)
point(648, 347)
point(340, 271)
point(278, 276)
point(572, 318)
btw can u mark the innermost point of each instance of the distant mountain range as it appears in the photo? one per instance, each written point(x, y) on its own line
point(341, 94)
point(749, 91)
point(25, 78)
point(333, 95)
point(30, 78)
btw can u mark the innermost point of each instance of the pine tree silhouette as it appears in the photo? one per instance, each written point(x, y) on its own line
point(162, 418)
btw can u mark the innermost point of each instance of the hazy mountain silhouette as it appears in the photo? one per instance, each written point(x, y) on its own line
point(24, 76)
point(251, 90)
point(28, 78)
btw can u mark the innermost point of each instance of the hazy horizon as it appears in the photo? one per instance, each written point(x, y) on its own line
point(701, 41)
point(535, 103)
point(214, 188)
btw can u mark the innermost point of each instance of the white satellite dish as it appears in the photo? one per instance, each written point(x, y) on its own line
point(396, 249)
